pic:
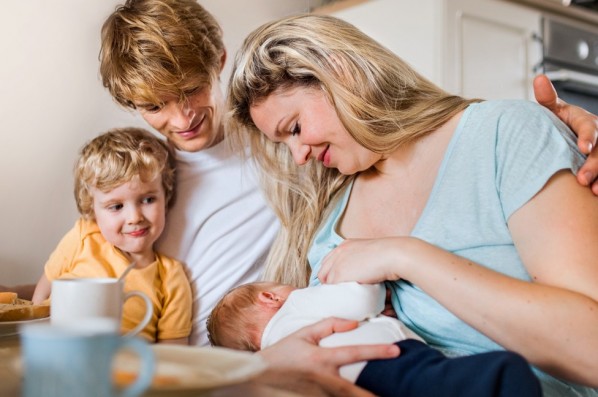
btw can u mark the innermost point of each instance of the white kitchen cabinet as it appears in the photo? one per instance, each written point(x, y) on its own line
point(474, 48)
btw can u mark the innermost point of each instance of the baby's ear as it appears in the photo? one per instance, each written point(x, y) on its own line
point(270, 299)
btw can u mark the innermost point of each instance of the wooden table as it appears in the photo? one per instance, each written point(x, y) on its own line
point(10, 380)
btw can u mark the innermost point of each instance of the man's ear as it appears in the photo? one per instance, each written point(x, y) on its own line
point(222, 60)
point(270, 299)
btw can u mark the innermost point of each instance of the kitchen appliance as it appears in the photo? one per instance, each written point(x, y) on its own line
point(591, 4)
point(570, 60)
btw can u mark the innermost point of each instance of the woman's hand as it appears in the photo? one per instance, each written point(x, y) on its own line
point(301, 350)
point(583, 123)
point(369, 261)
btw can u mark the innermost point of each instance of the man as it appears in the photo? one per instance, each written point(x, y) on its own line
point(164, 59)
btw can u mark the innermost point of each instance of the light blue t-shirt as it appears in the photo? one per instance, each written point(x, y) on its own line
point(501, 154)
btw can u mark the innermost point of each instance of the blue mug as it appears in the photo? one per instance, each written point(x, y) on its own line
point(62, 361)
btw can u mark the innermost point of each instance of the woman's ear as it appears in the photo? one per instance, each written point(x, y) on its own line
point(270, 299)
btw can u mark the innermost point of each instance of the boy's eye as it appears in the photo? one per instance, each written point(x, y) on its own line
point(149, 200)
point(115, 207)
point(296, 129)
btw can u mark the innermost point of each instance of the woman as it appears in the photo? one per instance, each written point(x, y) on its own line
point(469, 207)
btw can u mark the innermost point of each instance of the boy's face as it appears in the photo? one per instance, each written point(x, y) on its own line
point(132, 216)
point(190, 126)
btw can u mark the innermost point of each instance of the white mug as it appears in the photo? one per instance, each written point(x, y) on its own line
point(77, 299)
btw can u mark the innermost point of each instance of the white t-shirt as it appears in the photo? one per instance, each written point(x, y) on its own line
point(350, 300)
point(220, 227)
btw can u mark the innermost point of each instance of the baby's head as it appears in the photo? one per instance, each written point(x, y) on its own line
point(120, 156)
point(239, 319)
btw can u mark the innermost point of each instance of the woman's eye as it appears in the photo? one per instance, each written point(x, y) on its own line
point(191, 91)
point(296, 129)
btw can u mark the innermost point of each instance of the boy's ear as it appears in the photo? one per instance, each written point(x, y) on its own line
point(270, 299)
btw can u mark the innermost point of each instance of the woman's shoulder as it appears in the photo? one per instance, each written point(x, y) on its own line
point(510, 108)
point(516, 119)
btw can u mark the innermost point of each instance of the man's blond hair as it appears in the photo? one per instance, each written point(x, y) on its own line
point(152, 49)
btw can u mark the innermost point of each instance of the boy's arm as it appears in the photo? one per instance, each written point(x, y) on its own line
point(177, 341)
point(42, 290)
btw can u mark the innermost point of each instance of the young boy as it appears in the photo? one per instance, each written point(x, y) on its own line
point(257, 315)
point(124, 183)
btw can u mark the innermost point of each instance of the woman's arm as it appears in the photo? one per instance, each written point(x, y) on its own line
point(552, 321)
point(583, 123)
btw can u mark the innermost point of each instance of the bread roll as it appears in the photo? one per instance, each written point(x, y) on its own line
point(21, 309)
point(8, 297)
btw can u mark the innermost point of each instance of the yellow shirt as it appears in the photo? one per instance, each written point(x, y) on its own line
point(84, 253)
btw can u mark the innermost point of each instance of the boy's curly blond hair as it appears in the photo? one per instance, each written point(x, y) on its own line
point(118, 156)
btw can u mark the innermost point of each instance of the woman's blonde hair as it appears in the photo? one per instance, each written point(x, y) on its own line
point(119, 156)
point(153, 49)
point(381, 101)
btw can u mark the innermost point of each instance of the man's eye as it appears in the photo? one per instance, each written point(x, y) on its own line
point(149, 108)
point(152, 109)
point(296, 129)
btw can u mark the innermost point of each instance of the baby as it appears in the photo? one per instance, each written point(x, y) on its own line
point(257, 315)
point(124, 183)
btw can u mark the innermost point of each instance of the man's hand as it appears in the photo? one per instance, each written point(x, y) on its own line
point(583, 123)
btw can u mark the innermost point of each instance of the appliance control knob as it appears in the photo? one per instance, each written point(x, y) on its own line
point(583, 49)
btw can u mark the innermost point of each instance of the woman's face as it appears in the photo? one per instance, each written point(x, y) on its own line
point(304, 120)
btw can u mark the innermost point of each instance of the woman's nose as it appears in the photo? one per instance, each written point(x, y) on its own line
point(300, 152)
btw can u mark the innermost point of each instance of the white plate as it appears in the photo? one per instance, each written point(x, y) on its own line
point(191, 368)
point(9, 328)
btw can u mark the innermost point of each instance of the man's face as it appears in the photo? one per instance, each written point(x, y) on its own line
point(192, 125)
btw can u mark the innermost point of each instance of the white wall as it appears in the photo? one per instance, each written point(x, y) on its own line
point(52, 102)
point(411, 29)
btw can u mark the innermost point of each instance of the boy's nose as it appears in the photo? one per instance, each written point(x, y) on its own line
point(135, 216)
